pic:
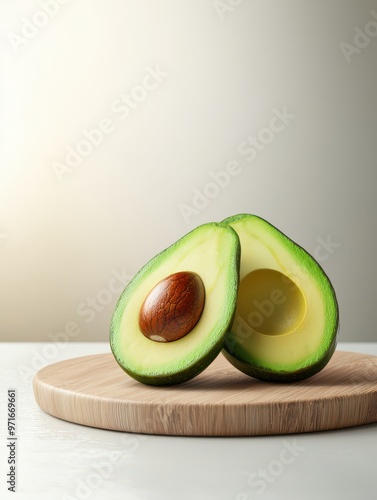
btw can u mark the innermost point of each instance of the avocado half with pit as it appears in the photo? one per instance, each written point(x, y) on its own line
point(286, 319)
point(170, 322)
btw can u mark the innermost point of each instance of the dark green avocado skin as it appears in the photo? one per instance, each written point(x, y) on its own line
point(271, 376)
point(181, 377)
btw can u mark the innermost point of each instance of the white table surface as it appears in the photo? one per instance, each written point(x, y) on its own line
point(61, 460)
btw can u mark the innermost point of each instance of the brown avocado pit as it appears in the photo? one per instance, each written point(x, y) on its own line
point(173, 307)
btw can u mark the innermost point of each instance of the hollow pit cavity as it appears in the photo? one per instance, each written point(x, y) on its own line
point(270, 303)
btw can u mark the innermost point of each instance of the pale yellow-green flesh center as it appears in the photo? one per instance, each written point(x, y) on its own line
point(209, 255)
point(280, 317)
point(270, 302)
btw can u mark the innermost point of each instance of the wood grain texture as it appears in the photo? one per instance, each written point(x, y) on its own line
point(221, 401)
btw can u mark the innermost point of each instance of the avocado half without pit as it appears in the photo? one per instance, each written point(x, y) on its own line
point(170, 322)
point(286, 319)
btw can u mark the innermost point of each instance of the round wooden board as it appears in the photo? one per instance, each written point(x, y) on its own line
point(221, 401)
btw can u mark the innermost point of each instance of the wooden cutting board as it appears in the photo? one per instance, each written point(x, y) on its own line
point(221, 401)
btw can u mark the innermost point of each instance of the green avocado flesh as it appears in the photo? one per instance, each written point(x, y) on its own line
point(213, 252)
point(286, 318)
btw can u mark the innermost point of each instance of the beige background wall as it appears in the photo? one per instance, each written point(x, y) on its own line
point(155, 98)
